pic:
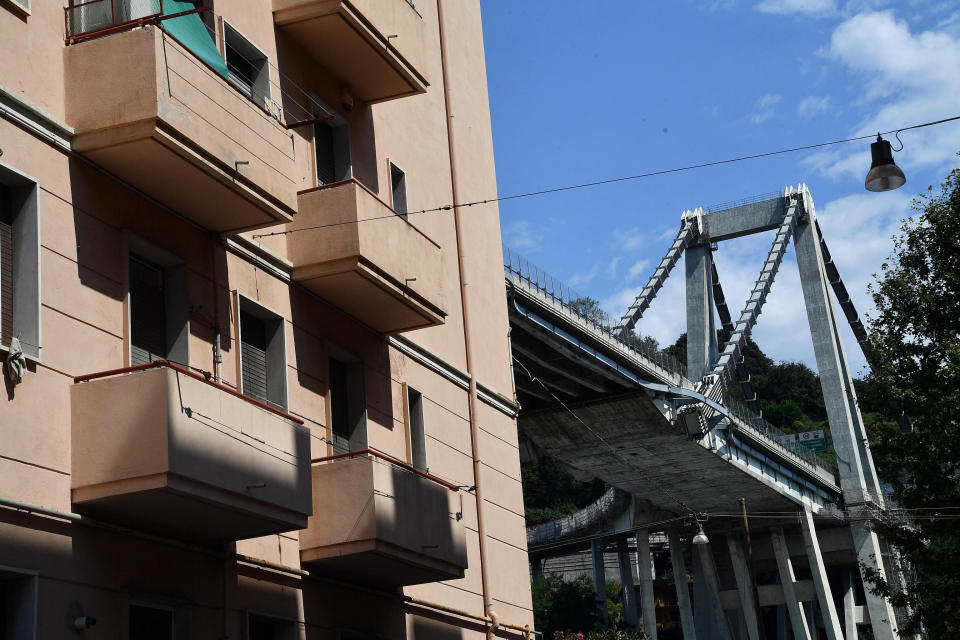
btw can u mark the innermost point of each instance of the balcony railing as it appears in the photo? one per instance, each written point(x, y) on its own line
point(382, 522)
point(161, 447)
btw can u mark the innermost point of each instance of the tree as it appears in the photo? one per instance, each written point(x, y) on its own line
point(916, 368)
point(563, 606)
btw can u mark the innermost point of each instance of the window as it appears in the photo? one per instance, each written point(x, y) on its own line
point(331, 145)
point(418, 438)
point(150, 622)
point(159, 305)
point(398, 186)
point(89, 16)
point(263, 627)
point(263, 374)
point(248, 67)
point(348, 411)
point(19, 262)
point(23, 5)
point(18, 604)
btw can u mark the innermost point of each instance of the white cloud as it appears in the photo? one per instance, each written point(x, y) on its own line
point(812, 106)
point(630, 239)
point(764, 108)
point(803, 7)
point(612, 267)
point(522, 237)
point(910, 78)
point(638, 268)
point(581, 278)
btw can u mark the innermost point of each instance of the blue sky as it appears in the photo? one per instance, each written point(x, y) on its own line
point(581, 91)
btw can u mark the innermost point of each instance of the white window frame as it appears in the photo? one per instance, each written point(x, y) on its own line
point(255, 308)
point(24, 6)
point(264, 78)
point(26, 270)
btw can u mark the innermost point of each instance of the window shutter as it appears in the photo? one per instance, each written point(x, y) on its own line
point(253, 356)
point(147, 313)
point(6, 267)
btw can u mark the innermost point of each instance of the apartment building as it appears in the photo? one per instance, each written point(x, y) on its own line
point(251, 391)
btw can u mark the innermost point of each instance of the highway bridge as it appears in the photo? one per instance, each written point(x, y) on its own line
point(689, 458)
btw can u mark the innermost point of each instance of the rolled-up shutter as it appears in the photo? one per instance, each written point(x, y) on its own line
point(253, 356)
point(147, 313)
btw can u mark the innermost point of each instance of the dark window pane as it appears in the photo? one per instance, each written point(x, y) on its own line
point(339, 405)
point(323, 145)
point(147, 623)
point(6, 266)
point(147, 313)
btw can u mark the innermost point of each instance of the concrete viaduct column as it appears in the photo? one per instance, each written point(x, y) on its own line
point(701, 317)
point(744, 587)
point(850, 606)
point(682, 586)
point(867, 546)
point(626, 580)
point(708, 574)
point(819, 571)
point(600, 582)
point(646, 585)
point(798, 620)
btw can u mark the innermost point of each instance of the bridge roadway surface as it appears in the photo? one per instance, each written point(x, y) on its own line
point(610, 411)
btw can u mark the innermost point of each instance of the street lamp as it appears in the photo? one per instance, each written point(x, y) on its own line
point(884, 173)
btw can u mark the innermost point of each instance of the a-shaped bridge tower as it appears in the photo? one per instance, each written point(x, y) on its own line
point(595, 397)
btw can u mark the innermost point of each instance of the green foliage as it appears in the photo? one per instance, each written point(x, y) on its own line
point(590, 309)
point(600, 634)
point(550, 492)
point(560, 606)
point(614, 604)
point(916, 371)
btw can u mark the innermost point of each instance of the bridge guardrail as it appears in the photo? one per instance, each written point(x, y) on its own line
point(516, 266)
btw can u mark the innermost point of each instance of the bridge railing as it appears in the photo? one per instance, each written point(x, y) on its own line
point(770, 432)
point(516, 267)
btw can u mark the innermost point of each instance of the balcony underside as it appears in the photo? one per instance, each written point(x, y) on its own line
point(162, 166)
point(377, 563)
point(181, 508)
point(364, 292)
point(354, 46)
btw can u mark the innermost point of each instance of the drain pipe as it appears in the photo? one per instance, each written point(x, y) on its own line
point(217, 354)
point(465, 309)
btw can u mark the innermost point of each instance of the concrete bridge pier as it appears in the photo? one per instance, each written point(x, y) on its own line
point(626, 581)
point(711, 620)
point(599, 582)
point(682, 585)
point(645, 568)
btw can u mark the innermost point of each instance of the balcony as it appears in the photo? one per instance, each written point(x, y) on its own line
point(160, 447)
point(380, 522)
point(376, 47)
point(384, 271)
point(150, 111)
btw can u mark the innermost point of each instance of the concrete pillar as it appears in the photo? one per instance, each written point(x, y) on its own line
point(682, 586)
point(721, 630)
point(831, 621)
point(647, 601)
point(626, 580)
point(858, 477)
point(536, 568)
point(600, 583)
point(867, 546)
point(701, 322)
point(850, 606)
point(744, 587)
point(798, 621)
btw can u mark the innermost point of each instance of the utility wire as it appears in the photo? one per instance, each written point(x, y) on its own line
point(596, 183)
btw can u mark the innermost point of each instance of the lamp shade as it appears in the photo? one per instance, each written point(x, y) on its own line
point(884, 173)
point(701, 537)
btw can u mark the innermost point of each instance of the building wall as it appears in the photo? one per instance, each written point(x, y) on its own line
point(87, 222)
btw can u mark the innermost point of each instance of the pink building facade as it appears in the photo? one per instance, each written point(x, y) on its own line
point(251, 390)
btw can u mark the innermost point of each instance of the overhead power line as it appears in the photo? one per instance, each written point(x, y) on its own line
point(597, 183)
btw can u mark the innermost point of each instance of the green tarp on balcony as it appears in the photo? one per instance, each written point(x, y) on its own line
point(191, 31)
